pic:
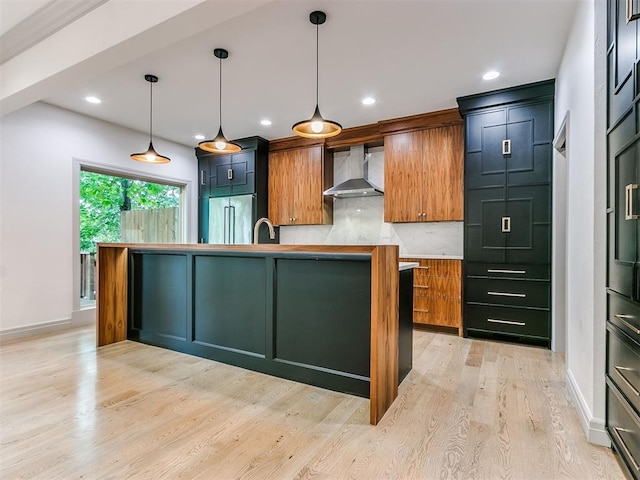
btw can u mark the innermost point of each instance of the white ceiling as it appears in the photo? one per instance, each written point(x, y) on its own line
point(412, 56)
point(12, 12)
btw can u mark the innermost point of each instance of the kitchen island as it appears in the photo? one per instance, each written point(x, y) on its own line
point(323, 315)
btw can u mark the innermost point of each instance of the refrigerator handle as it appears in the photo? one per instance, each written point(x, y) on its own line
point(232, 226)
point(225, 225)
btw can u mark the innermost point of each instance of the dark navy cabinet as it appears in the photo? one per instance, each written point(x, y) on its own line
point(623, 213)
point(507, 222)
point(229, 176)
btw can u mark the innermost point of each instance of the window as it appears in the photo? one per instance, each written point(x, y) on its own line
point(119, 209)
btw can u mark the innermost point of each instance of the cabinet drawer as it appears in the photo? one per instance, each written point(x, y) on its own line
point(435, 266)
point(437, 311)
point(500, 270)
point(438, 287)
point(623, 365)
point(624, 428)
point(514, 321)
point(624, 314)
point(518, 293)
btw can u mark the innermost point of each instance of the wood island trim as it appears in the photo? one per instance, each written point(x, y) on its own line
point(112, 308)
point(111, 294)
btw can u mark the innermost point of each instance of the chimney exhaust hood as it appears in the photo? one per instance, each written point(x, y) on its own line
point(356, 187)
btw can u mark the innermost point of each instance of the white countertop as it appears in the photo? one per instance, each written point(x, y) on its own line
point(431, 257)
point(408, 265)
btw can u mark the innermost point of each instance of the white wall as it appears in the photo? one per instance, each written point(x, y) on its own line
point(358, 221)
point(585, 253)
point(41, 145)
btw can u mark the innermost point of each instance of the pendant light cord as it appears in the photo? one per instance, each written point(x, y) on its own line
point(317, 76)
point(150, 111)
point(220, 94)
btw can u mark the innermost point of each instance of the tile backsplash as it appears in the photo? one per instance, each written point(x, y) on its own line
point(360, 221)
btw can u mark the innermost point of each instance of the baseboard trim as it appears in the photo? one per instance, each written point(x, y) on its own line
point(85, 316)
point(594, 428)
point(79, 318)
point(16, 333)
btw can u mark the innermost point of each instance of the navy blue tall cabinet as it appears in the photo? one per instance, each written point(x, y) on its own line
point(507, 218)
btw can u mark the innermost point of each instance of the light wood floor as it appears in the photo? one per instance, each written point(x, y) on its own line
point(470, 409)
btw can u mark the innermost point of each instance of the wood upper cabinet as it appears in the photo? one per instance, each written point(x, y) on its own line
point(297, 178)
point(423, 175)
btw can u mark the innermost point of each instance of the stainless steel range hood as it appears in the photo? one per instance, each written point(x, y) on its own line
point(360, 186)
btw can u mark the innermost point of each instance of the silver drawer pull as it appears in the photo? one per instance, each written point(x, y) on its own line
point(506, 147)
point(229, 174)
point(616, 431)
point(626, 369)
point(202, 177)
point(508, 322)
point(507, 294)
point(489, 270)
point(505, 224)
point(622, 318)
point(628, 202)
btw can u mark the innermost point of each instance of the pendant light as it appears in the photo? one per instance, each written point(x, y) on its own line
point(150, 156)
point(220, 144)
point(316, 126)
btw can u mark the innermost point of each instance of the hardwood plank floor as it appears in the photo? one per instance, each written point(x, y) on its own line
point(469, 409)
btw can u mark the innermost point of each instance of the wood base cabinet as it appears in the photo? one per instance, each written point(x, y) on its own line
point(437, 293)
point(623, 212)
point(507, 224)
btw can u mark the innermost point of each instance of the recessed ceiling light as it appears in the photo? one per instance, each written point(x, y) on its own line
point(92, 99)
point(266, 122)
point(199, 137)
point(491, 75)
point(368, 101)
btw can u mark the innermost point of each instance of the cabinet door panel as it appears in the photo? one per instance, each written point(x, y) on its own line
point(220, 184)
point(530, 133)
point(229, 303)
point(540, 115)
point(443, 158)
point(307, 188)
point(623, 244)
point(243, 167)
point(485, 240)
point(487, 167)
point(520, 135)
point(475, 125)
point(529, 208)
point(403, 180)
point(281, 165)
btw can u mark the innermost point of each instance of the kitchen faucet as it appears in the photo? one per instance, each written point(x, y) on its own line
point(256, 227)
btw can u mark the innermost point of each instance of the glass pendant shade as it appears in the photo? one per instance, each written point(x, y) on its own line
point(316, 126)
point(150, 156)
point(220, 144)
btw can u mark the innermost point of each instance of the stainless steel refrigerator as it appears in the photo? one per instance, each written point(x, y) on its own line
point(231, 219)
